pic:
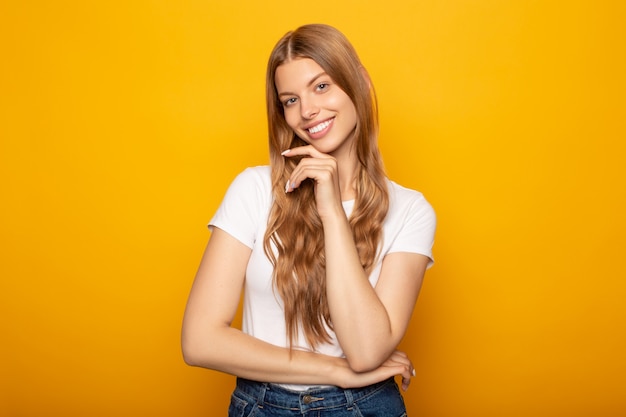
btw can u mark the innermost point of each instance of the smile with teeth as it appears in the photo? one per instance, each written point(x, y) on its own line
point(320, 127)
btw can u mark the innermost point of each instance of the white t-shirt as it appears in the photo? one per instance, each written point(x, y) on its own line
point(408, 227)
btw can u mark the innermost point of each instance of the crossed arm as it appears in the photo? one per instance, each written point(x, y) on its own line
point(209, 341)
point(369, 322)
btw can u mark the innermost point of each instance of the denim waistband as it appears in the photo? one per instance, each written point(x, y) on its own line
point(312, 398)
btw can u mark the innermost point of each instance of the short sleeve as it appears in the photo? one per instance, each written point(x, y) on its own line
point(416, 227)
point(243, 206)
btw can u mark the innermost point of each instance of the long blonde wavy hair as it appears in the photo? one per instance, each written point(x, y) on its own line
point(294, 240)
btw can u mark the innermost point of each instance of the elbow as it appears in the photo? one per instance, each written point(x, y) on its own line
point(190, 359)
point(201, 347)
point(365, 362)
point(192, 353)
point(360, 367)
point(370, 357)
point(189, 355)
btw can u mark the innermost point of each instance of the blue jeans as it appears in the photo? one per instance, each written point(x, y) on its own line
point(260, 399)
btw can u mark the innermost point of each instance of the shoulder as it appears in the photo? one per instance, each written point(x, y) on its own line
point(409, 206)
point(251, 186)
point(403, 197)
point(411, 222)
point(253, 179)
point(247, 201)
point(259, 174)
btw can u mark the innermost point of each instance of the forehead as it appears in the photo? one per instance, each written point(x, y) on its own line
point(296, 74)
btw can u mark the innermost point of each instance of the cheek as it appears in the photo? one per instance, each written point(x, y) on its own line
point(349, 110)
point(343, 103)
point(291, 117)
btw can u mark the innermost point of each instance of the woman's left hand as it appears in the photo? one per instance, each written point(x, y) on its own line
point(322, 168)
point(401, 358)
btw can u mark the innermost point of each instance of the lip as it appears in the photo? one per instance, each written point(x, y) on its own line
point(323, 131)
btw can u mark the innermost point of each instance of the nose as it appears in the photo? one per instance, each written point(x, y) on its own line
point(308, 108)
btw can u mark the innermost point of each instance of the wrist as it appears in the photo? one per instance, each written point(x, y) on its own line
point(336, 371)
point(335, 217)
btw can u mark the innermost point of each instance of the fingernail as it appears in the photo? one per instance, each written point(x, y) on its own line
point(413, 372)
point(285, 152)
point(287, 186)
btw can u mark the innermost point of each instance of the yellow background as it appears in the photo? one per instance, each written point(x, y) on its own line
point(123, 122)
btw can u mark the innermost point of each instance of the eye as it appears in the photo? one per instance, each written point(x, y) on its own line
point(289, 101)
point(322, 86)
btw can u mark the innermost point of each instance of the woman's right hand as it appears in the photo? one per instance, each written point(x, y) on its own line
point(398, 364)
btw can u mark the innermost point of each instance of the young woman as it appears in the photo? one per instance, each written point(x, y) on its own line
point(329, 252)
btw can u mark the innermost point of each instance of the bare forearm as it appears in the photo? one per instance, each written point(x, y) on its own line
point(359, 318)
point(229, 350)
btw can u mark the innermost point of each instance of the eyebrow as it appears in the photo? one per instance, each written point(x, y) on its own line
point(288, 93)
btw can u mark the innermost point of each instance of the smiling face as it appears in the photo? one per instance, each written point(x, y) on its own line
point(316, 108)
